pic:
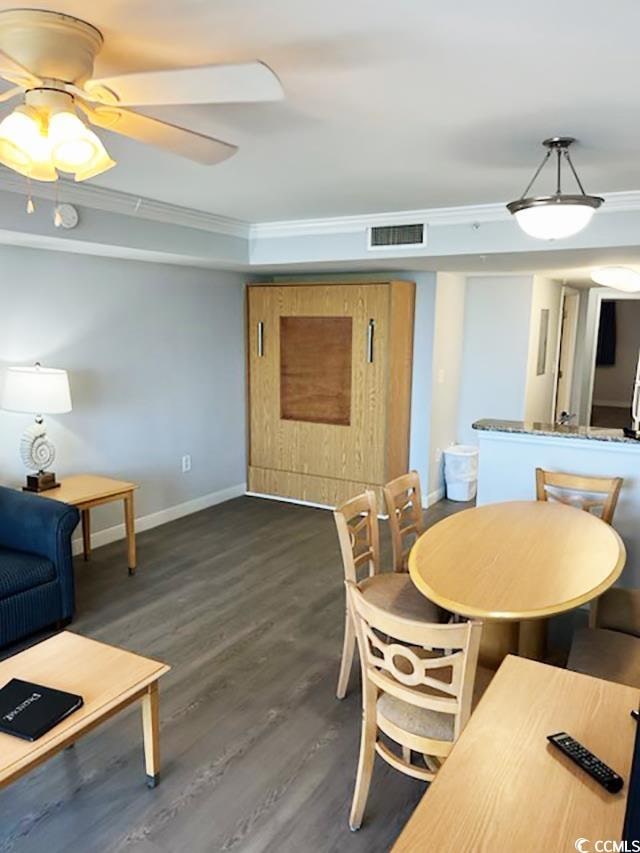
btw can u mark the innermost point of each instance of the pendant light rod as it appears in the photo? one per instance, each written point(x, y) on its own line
point(537, 172)
point(572, 167)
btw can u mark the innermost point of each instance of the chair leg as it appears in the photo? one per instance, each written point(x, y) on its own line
point(365, 764)
point(348, 649)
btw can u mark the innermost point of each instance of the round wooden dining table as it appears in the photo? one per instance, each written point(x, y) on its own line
point(514, 564)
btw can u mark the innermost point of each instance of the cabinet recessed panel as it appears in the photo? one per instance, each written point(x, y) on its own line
point(315, 369)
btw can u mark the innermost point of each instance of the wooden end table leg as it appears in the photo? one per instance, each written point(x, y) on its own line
point(86, 533)
point(151, 734)
point(129, 523)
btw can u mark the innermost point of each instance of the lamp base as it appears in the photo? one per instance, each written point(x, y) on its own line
point(41, 482)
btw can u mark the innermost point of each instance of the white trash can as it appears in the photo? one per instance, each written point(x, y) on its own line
point(461, 472)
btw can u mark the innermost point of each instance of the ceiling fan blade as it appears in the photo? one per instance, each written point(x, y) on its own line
point(16, 73)
point(208, 84)
point(170, 137)
point(11, 93)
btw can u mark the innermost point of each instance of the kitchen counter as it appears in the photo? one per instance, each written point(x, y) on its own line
point(554, 430)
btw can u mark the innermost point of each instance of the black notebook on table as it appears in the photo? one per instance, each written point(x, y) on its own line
point(29, 710)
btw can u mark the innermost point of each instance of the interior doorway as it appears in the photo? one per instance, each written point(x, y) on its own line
point(566, 353)
point(616, 364)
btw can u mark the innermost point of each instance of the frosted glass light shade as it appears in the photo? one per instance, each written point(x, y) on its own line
point(36, 146)
point(73, 145)
point(554, 221)
point(20, 140)
point(620, 278)
point(36, 390)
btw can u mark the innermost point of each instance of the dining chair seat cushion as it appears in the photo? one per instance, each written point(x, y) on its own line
point(422, 722)
point(606, 654)
point(395, 593)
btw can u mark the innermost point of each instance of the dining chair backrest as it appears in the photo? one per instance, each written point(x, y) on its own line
point(359, 537)
point(427, 665)
point(597, 495)
point(403, 498)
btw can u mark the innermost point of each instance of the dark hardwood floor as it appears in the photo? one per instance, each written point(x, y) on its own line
point(245, 601)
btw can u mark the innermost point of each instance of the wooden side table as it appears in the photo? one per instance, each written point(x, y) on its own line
point(86, 491)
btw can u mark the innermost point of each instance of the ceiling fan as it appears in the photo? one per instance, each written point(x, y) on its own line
point(49, 58)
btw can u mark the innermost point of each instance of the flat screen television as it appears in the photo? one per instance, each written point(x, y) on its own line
point(631, 830)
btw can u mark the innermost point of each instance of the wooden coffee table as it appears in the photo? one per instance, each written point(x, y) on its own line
point(88, 490)
point(109, 679)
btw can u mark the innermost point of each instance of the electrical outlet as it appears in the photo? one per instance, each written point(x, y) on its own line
point(186, 463)
point(438, 454)
point(441, 376)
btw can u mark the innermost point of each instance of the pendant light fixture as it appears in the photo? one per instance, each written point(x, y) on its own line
point(553, 217)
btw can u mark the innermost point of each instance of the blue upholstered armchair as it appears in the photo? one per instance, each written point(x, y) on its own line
point(36, 569)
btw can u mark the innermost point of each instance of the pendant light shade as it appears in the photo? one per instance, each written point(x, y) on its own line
point(554, 217)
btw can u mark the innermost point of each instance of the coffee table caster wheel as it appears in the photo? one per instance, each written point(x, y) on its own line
point(153, 781)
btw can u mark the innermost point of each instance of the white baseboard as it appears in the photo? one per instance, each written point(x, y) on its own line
point(433, 497)
point(282, 499)
point(155, 519)
point(615, 404)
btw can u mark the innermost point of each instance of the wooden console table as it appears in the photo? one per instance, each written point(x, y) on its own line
point(86, 491)
point(504, 788)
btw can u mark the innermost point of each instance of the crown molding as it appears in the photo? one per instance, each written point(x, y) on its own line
point(350, 224)
point(463, 215)
point(127, 204)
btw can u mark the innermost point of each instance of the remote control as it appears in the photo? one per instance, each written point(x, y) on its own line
point(592, 765)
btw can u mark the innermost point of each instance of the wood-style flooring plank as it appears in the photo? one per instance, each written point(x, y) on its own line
point(246, 602)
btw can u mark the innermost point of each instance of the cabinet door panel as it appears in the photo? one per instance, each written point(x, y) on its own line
point(328, 428)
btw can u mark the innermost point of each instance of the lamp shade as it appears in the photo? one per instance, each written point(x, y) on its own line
point(36, 390)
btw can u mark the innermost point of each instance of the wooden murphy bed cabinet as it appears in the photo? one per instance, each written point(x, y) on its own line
point(329, 387)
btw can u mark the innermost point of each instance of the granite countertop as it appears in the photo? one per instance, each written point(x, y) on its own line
point(555, 430)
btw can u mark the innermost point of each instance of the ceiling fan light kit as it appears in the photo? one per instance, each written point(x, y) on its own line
point(554, 217)
point(49, 57)
point(44, 136)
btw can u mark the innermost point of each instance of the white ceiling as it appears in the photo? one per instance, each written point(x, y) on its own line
point(390, 105)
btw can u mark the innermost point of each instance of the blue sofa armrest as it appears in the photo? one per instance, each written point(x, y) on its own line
point(41, 526)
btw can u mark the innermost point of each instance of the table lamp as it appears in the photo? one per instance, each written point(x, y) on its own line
point(38, 391)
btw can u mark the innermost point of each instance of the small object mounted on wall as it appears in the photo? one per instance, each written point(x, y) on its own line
point(37, 390)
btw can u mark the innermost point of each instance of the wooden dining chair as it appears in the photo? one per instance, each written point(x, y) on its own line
point(413, 692)
point(359, 538)
point(403, 499)
point(587, 493)
point(597, 495)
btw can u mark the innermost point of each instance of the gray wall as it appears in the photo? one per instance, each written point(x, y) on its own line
point(155, 355)
point(495, 351)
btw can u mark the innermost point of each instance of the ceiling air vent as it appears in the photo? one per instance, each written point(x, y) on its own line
point(388, 236)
